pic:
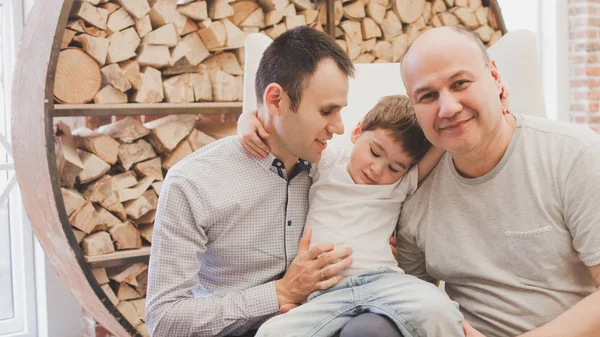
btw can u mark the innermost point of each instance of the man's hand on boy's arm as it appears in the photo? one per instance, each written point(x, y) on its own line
point(252, 133)
point(312, 269)
point(429, 162)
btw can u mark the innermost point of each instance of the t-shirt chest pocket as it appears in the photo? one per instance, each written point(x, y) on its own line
point(532, 253)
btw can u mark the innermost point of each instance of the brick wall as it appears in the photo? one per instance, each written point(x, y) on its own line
point(584, 62)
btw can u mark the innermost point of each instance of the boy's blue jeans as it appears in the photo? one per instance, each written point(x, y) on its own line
point(418, 308)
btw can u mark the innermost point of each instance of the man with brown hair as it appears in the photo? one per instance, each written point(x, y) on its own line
point(229, 250)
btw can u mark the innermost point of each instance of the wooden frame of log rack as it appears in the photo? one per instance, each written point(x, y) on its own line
point(35, 162)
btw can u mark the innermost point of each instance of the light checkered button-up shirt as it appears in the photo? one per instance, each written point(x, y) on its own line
point(227, 226)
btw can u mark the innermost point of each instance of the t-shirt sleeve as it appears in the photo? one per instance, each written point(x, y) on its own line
point(410, 181)
point(330, 155)
point(580, 200)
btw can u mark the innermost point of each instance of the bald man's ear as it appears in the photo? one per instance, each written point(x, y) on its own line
point(502, 88)
point(273, 97)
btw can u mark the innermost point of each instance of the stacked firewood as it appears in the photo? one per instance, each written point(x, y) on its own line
point(149, 51)
point(125, 287)
point(111, 178)
point(382, 30)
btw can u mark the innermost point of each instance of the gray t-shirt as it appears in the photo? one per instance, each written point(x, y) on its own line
point(512, 245)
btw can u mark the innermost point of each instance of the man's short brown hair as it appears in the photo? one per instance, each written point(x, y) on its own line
point(395, 114)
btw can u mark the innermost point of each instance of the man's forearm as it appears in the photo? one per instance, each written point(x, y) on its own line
point(212, 316)
point(582, 320)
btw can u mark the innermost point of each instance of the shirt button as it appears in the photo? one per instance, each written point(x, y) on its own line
point(278, 163)
point(305, 163)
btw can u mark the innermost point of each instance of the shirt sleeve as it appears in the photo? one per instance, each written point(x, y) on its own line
point(410, 181)
point(580, 199)
point(179, 243)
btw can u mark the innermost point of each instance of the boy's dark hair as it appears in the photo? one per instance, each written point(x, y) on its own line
point(395, 114)
point(293, 57)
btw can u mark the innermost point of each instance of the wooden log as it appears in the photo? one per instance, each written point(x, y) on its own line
point(126, 273)
point(102, 145)
point(427, 12)
point(79, 235)
point(310, 15)
point(192, 48)
point(419, 23)
point(136, 152)
point(461, 3)
point(123, 181)
point(143, 26)
point(436, 22)
point(338, 12)
point(166, 35)
point(368, 45)
point(438, 6)
point(273, 17)
point(289, 10)
point(125, 130)
point(391, 26)
point(235, 36)
point(77, 78)
point(275, 31)
point(178, 89)
point(466, 16)
point(137, 8)
point(239, 88)
point(145, 219)
point(376, 12)
point(110, 293)
point(89, 13)
point(135, 191)
point(142, 329)
point(114, 206)
point(105, 217)
point(293, 21)
point(277, 5)
point(481, 15)
point(113, 75)
point(228, 63)
point(199, 139)
point(96, 47)
point(181, 151)
point(73, 200)
point(154, 56)
point(354, 48)
point(448, 19)
point(213, 36)
point(163, 13)
point(67, 38)
point(109, 95)
point(485, 33)
point(449, 3)
point(202, 87)
point(241, 10)
point(412, 32)
point(167, 132)
point(495, 37)
point(223, 86)
point(255, 19)
point(126, 236)
point(100, 275)
point(219, 9)
point(370, 29)
point(475, 4)
point(84, 218)
point(182, 66)
point(126, 292)
point(146, 229)
point(81, 27)
point(97, 244)
point(119, 20)
point(383, 50)
point(365, 58)
point(128, 311)
point(93, 167)
point(140, 304)
point(142, 205)
point(131, 70)
point(342, 44)
point(111, 7)
point(68, 163)
point(194, 10)
point(157, 186)
point(353, 30)
point(123, 45)
point(151, 89)
point(408, 10)
point(205, 23)
point(399, 47)
point(354, 10)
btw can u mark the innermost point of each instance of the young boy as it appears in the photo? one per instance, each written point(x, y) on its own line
point(355, 200)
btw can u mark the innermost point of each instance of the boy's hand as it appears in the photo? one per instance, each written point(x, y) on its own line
point(312, 269)
point(394, 248)
point(470, 331)
point(251, 134)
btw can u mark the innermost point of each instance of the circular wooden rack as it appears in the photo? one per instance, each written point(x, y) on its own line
point(35, 161)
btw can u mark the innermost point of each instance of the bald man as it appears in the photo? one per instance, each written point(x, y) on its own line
point(509, 218)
